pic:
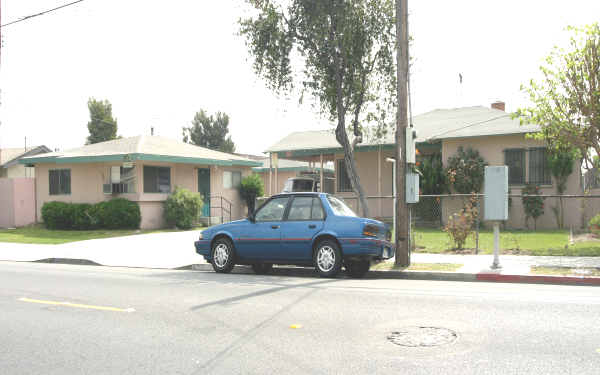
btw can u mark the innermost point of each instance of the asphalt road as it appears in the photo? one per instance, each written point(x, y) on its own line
point(141, 321)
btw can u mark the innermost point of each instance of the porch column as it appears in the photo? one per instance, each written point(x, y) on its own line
point(270, 174)
point(379, 191)
point(321, 155)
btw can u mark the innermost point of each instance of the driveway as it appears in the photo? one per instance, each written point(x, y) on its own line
point(154, 250)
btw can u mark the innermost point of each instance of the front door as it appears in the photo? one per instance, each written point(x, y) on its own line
point(204, 189)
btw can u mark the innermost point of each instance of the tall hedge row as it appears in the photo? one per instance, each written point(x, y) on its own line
point(117, 213)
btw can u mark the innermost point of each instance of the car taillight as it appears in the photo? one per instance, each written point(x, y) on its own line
point(370, 230)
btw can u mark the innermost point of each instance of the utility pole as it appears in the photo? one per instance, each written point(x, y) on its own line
point(401, 229)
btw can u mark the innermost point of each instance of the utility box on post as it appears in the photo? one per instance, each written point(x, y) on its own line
point(496, 193)
point(412, 187)
point(411, 140)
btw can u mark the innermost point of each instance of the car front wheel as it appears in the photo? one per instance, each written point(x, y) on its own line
point(223, 255)
point(328, 258)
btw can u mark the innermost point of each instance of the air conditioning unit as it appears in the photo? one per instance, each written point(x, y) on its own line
point(114, 188)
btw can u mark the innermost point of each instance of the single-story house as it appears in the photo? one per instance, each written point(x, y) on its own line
point(500, 140)
point(144, 169)
point(9, 161)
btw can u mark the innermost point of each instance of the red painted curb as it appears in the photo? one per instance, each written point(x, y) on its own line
point(537, 279)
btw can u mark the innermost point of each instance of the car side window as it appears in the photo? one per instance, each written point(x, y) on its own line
point(300, 209)
point(273, 210)
point(317, 212)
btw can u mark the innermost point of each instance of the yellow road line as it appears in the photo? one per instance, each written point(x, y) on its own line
point(69, 304)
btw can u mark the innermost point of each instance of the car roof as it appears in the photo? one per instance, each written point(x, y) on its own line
point(315, 193)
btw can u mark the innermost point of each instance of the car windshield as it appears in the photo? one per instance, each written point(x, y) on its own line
point(339, 207)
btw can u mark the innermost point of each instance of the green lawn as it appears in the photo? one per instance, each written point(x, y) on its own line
point(38, 234)
point(541, 242)
point(565, 271)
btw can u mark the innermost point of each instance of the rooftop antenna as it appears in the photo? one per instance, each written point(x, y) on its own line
point(152, 130)
point(25, 143)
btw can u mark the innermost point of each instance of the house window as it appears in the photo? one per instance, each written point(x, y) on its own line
point(232, 179)
point(343, 182)
point(60, 181)
point(539, 171)
point(128, 179)
point(157, 179)
point(515, 160)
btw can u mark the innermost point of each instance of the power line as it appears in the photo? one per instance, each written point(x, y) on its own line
point(41, 13)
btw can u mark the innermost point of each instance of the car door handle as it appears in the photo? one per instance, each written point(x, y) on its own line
point(312, 226)
point(275, 226)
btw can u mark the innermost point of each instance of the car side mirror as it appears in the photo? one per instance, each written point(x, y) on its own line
point(251, 218)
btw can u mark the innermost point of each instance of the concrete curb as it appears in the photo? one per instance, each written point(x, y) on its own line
point(406, 275)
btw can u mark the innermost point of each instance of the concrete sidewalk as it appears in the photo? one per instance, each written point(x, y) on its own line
point(173, 250)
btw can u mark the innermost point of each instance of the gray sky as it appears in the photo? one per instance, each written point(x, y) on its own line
point(158, 62)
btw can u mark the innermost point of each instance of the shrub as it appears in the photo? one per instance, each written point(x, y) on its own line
point(466, 171)
point(251, 188)
point(80, 216)
point(115, 214)
point(594, 225)
point(183, 208)
point(119, 213)
point(57, 215)
point(533, 205)
point(460, 225)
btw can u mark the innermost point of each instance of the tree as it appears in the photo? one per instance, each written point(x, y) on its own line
point(343, 52)
point(102, 126)
point(210, 132)
point(251, 187)
point(561, 166)
point(566, 101)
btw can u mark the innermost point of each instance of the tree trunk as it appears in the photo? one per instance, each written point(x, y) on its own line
point(342, 138)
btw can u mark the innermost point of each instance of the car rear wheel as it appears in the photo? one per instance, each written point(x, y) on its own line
point(358, 268)
point(327, 258)
point(262, 268)
point(223, 255)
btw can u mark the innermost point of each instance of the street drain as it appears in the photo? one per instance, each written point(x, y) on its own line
point(422, 336)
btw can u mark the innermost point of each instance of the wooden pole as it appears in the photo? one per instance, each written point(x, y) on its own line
point(401, 230)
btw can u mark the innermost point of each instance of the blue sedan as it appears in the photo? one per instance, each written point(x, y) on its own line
point(305, 229)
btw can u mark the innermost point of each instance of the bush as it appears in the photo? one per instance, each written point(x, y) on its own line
point(594, 225)
point(251, 188)
point(114, 214)
point(533, 205)
point(466, 171)
point(119, 213)
point(183, 208)
point(460, 225)
point(57, 215)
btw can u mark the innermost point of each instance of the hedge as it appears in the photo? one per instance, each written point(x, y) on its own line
point(183, 208)
point(114, 214)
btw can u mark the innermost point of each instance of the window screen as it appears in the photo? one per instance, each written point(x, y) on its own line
point(157, 179)
point(539, 171)
point(515, 160)
point(60, 181)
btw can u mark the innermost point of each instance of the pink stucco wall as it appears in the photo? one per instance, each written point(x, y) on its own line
point(17, 202)
point(87, 180)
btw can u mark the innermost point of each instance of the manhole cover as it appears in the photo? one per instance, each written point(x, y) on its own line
point(422, 336)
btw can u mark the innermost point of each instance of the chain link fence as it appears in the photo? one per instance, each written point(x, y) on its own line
point(535, 220)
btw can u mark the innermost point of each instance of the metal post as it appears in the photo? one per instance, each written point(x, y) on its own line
point(321, 172)
point(477, 228)
point(394, 189)
point(222, 218)
point(496, 263)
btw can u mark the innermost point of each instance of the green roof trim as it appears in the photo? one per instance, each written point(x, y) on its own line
point(292, 169)
point(137, 156)
point(365, 148)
